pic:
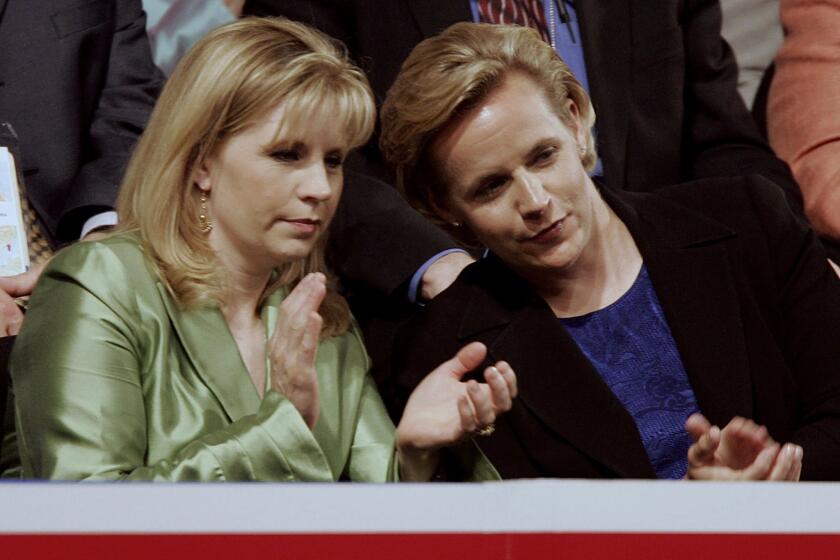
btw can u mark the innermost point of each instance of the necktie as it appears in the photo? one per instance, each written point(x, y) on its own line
point(527, 13)
point(36, 241)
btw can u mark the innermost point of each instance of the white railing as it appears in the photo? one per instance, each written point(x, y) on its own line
point(540, 506)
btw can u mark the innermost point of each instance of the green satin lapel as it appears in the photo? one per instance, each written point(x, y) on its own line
point(211, 348)
point(269, 319)
point(270, 310)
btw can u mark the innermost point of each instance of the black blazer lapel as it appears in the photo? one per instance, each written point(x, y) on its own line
point(607, 46)
point(556, 381)
point(687, 259)
point(433, 16)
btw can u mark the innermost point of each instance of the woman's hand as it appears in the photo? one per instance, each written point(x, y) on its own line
point(443, 410)
point(11, 287)
point(743, 450)
point(294, 345)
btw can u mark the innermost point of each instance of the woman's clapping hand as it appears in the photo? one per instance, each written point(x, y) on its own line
point(742, 450)
point(294, 346)
point(444, 410)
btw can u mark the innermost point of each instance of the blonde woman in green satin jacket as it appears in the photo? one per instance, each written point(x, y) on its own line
point(202, 340)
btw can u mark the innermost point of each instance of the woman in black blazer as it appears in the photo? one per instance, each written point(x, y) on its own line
point(623, 314)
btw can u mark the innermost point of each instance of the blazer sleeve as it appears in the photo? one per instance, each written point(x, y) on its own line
point(803, 116)
point(125, 102)
point(377, 241)
point(80, 396)
point(810, 314)
point(722, 138)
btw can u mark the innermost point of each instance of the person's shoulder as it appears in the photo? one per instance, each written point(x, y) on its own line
point(107, 278)
point(733, 201)
point(120, 250)
point(113, 264)
point(750, 214)
point(440, 320)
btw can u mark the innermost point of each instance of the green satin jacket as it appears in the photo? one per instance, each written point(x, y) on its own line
point(113, 380)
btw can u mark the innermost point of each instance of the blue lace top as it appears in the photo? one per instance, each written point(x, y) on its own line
point(631, 346)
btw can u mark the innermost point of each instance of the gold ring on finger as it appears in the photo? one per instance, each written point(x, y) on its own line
point(486, 430)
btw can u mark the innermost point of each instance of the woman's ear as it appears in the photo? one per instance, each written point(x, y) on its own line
point(201, 176)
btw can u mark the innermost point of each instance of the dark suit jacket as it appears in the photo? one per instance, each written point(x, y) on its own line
point(377, 243)
point(77, 82)
point(752, 305)
point(662, 80)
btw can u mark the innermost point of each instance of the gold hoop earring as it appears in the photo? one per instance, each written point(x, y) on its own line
point(204, 224)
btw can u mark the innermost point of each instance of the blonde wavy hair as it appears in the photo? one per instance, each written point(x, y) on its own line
point(447, 75)
point(228, 80)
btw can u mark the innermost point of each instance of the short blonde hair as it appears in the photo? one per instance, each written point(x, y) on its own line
point(230, 78)
point(447, 75)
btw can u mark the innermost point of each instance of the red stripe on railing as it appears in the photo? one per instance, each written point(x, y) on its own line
point(434, 546)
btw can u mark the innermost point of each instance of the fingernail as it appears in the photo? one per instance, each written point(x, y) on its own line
point(767, 454)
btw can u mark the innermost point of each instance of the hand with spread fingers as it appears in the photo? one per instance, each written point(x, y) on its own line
point(444, 410)
point(11, 316)
point(294, 345)
point(742, 450)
